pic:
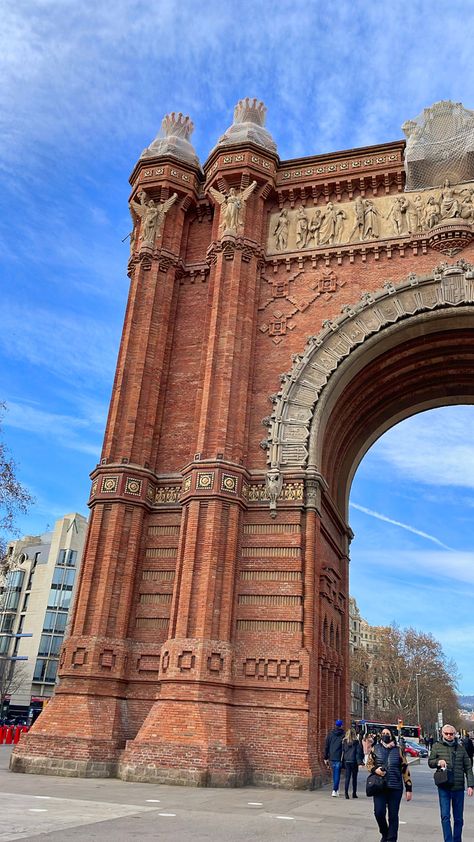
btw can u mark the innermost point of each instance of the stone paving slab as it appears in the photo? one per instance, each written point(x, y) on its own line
point(91, 809)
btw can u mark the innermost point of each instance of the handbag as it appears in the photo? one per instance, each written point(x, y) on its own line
point(444, 778)
point(374, 785)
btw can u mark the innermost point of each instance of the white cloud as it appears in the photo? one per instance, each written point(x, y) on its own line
point(66, 430)
point(434, 448)
point(70, 345)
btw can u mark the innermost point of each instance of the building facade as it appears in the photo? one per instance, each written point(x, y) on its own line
point(39, 576)
point(282, 315)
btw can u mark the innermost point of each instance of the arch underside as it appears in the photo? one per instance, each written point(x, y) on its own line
point(399, 351)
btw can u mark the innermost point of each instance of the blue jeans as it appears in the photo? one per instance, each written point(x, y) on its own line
point(451, 798)
point(388, 800)
point(336, 774)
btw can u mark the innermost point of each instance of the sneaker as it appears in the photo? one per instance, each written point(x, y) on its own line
point(334, 793)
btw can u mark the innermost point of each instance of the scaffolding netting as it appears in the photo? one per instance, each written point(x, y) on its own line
point(440, 146)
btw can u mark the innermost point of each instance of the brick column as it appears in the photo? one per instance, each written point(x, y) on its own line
point(188, 735)
point(85, 725)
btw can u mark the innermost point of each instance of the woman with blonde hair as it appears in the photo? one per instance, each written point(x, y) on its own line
point(352, 758)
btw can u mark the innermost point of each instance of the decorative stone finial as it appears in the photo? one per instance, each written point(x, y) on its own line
point(250, 111)
point(173, 139)
point(248, 125)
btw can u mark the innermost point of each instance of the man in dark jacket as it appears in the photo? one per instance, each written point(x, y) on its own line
point(447, 753)
point(333, 755)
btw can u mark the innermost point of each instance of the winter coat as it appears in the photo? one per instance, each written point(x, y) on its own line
point(333, 746)
point(395, 762)
point(352, 752)
point(456, 758)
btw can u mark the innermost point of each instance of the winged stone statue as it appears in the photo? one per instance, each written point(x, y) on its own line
point(232, 206)
point(152, 216)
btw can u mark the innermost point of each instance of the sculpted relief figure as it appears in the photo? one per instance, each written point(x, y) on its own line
point(466, 208)
point(152, 215)
point(232, 205)
point(449, 202)
point(314, 228)
point(332, 224)
point(301, 228)
point(281, 231)
point(432, 213)
point(371, 220)
point(398, 214)
point(359, 220)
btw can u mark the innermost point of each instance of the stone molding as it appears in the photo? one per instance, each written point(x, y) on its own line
point(294, 405)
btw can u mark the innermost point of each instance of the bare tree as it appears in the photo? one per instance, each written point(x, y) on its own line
point(13, 678)
point(404, 654)
point(14, 498)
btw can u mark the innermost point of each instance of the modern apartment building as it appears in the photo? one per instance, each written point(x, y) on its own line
point(37, 584)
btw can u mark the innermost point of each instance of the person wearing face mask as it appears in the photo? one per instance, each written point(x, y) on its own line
point(447, 753)
point(389, 761)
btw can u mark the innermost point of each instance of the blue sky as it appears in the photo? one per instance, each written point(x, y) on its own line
point(84, 88)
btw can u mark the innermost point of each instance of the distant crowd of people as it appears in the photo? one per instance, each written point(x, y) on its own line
point(384, 757)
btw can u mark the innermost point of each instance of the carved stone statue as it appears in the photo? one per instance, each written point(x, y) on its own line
point(432, 213)
point(371, 222)
point(232, 207)
point(466, 208)
point(281, 231)
point(332, 224)
point(415, 215)
point(449, 202)
point(152, 215)
point(314, 228)
point(359, 218)
point(274, 484)
point(301, 228)
point(398, 213)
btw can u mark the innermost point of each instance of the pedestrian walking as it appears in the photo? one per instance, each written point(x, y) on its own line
point(367, 743)
point(469, 746)
point(352, 758)
point(388, 760)
point(449, 754)
point(333, 755)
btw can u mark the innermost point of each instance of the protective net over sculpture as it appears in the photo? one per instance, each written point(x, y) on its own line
point(440, 146)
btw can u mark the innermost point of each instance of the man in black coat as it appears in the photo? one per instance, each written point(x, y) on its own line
point(333, 755)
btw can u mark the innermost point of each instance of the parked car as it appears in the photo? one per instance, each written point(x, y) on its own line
point(422, 750)
point(412, 752)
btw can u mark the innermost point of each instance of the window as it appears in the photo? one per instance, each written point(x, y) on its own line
point(67, 557)
point(40, 669)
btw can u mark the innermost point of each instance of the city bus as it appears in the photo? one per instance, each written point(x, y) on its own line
point(364, 726)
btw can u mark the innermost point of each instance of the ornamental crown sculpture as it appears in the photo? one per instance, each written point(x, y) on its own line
point(174, 140)
point(248, 125)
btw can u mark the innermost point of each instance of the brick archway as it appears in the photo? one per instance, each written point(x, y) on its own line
point(389, 323)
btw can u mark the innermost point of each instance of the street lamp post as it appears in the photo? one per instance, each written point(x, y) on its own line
point(417, 676)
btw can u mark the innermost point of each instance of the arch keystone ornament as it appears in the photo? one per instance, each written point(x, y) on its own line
point(210, 639)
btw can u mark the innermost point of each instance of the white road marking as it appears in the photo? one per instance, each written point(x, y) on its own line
point(167, 814)
point(43, 796)
point(288, 818)
point(37, 810)
point(153, 800)
point(255, 803)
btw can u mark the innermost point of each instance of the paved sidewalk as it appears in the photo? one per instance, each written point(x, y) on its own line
point(39, 807)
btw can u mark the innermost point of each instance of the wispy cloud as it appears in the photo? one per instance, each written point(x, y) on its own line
point(65, 430)
point(69, 344)
point(433, 448)
point(406, 526)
